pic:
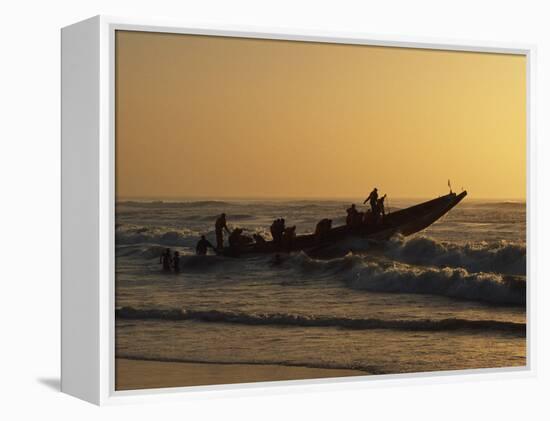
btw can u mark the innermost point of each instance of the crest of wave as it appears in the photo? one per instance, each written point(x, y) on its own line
point(308, 265)
point(132, 234)
point(500, 257)
point(449, 282)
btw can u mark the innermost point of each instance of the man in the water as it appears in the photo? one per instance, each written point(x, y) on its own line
point(166, 260)
point(176, 261)
point(202, 246)
point(221, 224)
point(373, 200)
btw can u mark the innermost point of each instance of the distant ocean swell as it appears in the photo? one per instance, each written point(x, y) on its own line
point(276, 319)
point(177, 205)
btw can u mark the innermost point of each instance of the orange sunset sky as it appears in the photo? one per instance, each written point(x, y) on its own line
point(203, 116)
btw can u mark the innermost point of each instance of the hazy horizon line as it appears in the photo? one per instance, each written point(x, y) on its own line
point(301, 198)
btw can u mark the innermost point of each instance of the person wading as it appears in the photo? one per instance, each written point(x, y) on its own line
point(221, 224)
point(166, 260)
point(176, 261)
point(202, 246)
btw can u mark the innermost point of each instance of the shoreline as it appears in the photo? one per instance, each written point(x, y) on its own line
point(134, 374)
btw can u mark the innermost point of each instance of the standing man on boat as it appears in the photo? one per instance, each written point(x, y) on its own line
point(373, 200)
point(380, 205)
point(353, 216)
point(277, 228)
point(221, 224)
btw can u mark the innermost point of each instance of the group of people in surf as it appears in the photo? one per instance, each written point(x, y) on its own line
point(170, 261)
point(373, 215)
point(283, 236)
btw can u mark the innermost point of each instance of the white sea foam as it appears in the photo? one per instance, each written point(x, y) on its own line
point(500, 257)
point(449, 282)
point(382, 275)
point(131, 234)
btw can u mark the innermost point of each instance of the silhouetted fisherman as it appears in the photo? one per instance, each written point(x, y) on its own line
point(353, 216)
point(166, 260)
point(289, 235)
point(235, 237)
point(322, 229)
point(221, 224)
point(273, 230)
point(373, 200)
point(368, 217)
point(277, 228)
point(176, 261)
point(258, 239)
point(380, 206)
point(238, 239)
point(202, 246)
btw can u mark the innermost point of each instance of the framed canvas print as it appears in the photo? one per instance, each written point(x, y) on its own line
point(248, 208)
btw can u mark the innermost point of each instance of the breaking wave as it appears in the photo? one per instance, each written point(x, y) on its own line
point(382, 275)
point(449, 282)
point(168, 237)
point(278, 319)
point(307, 265)
point(502, 257)
point(146, 252)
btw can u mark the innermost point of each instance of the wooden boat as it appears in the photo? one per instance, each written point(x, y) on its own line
point(404, 221)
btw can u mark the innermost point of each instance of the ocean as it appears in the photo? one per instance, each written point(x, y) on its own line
point(450, 297)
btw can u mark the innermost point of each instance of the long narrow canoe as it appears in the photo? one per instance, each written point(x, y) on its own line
point(404, 221)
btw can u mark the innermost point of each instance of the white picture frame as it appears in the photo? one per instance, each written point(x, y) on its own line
point(88, 203)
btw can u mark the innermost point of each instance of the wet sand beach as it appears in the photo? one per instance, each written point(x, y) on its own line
point(143, 374)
